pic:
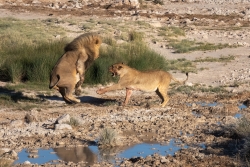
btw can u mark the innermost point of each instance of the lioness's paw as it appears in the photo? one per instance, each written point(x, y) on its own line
point(99, 91)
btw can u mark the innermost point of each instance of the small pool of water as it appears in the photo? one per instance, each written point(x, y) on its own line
point(238, 115)
point(242, 106)
point(92, 154)
point(44, 155)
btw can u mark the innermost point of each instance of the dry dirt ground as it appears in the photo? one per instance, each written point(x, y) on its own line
point(191, 118)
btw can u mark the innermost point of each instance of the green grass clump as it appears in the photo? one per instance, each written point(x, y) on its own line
point(5, 162)
point(171, 31)
point(74, 122)
point(34, 63)
point(242, 130)
point(137, 55)
point(32, 59)
point(185, 46)
point(243, 127)
point(197, 88)
point(31, 63)
point(108, 137)
point(15, 32)
point(135, 36)
point(161, 2)
point(220, 59)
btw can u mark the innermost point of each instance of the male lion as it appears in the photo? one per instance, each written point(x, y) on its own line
point(147, 81)
point(68, 72)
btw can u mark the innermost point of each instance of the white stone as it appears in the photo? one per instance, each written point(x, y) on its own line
point(63, 119)
point(63, 127)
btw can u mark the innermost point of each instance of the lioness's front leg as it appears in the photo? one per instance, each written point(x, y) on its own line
point(107, 89)
point(128, 95)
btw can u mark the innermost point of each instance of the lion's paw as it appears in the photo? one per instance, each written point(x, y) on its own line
point(78, 92)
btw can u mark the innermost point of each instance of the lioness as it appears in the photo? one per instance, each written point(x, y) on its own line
point(147, 81)
point(68, 73)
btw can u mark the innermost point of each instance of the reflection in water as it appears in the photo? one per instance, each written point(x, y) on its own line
point(137, 150)
point(93, 154)
point(43, 156)
point(242, 106)
point(76, 154)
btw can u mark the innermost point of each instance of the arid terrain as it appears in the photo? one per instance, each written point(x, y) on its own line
point(202, 121)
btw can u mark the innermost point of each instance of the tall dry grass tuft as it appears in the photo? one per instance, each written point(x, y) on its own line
point(108, 137)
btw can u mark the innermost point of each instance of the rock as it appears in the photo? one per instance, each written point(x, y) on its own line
point(188, 83)
point(247, 102)
point(36, 1)
point(63, 127)
point(4, 150)
point(63, 119)
point(31, 117)
point(13, 153)
point(26, 162)
point(16, 123)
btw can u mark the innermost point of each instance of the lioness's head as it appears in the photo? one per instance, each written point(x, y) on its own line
point(117, 69)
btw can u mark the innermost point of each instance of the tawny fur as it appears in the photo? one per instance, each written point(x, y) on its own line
point(147, 81)
point(68, 73)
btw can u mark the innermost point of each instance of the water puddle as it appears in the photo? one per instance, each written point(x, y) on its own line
point(242, 106)
point(238, 115)
point(93, 154)
point(197, 114)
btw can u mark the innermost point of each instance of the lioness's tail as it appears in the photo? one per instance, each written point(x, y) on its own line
point(181, 82)
point(53, 81)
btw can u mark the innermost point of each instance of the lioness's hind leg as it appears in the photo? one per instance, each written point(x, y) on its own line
point(163, 93)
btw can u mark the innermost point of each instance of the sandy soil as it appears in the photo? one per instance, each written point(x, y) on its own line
point(199, 124)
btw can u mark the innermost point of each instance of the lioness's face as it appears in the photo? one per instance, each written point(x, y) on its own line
point(115, 69)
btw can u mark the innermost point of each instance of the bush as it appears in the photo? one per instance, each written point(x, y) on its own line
point(108, 137)
point(135, 54)
point(31, 63)
point(34, 63)
point(243, 131)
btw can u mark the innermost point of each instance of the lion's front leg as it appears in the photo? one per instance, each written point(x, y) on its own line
point(80, 69)
point(78, 88)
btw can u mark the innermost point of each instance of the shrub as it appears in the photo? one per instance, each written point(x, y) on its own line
point(243, 131)
point(74, 122)
point(34, 62)
point(31, 63)
point(136, 54)
point(108, 137)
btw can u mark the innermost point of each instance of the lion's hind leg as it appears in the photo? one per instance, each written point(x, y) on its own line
point(69, 94)
point(66, 93)
point(62, 90)
point(162, 93)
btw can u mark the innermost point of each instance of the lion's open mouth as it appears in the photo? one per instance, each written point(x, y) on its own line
point(113, 74)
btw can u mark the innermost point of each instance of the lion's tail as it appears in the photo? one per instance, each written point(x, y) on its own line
point(53, 81)
point(181, 82)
